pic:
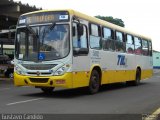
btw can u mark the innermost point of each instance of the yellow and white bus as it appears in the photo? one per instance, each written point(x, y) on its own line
point(65, 48)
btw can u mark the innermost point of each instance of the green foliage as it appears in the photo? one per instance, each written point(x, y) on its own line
point(110, 19)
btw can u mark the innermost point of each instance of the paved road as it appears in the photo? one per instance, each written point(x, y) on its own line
point(112, 99)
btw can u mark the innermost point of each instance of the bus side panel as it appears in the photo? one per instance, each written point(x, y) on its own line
point(125, 75)
point(145, 63)
point(108, 65)
point(80, 79)
point(108, 77)
point(146, 74)
point(121, 76)
point(113, 71)
point(80, 70)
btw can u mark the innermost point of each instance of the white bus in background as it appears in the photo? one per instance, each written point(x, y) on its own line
point(7, 52)
point(65, 48)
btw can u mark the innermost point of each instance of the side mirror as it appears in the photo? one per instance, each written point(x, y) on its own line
point(80, 29)
point(80, 51)
point(12, 28)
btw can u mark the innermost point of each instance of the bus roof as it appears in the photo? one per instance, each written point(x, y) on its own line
point(95, 20)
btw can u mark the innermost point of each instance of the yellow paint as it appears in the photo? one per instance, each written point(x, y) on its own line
point(19, 80)
point(146, 74)
point(81, 79)
point(152, 116)
point(114, 76)
point(123, 75)
point(108, 77)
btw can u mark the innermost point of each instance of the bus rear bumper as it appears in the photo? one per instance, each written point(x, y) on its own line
point(44, 81)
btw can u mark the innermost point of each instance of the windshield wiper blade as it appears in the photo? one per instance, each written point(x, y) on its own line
point(32, 31)
point(52, 26)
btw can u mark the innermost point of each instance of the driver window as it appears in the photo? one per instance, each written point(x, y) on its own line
point(79, 41)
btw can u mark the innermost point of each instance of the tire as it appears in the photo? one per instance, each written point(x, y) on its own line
point(137, 78)
point(11, 75)
point(136, 82)
point(94, 83)
point(47, 90)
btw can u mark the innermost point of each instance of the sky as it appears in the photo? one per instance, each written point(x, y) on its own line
point(140, 16)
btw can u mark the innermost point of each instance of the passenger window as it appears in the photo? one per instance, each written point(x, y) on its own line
point(129, 44)
point(129, 39)
point(79, 41)
point(120, 45)
point(145, 47)
point(95, 39)
point(108, 43)
point(94, 30)
point(107, 33)
point(138, 46)
point(119, 36)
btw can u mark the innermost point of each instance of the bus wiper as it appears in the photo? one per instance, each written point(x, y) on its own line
point(52, 26)
point(32, 31)
point(45, 32)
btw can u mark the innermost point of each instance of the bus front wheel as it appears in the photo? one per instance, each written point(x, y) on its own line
point(47, 90)
point(94, 83)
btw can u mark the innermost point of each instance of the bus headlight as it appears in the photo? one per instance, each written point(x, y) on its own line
point(62, 70)
point(18, 70)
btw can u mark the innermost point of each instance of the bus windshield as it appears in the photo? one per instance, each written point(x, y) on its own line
point(42, 43)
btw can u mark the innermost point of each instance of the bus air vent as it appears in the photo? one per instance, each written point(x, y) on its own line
point(39, 66)
point(41, 73)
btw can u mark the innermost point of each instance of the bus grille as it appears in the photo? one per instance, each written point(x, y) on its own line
point(39, 80)
point(41, 73)
point(39, 66)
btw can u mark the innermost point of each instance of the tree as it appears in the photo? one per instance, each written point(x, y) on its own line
point(110, 19)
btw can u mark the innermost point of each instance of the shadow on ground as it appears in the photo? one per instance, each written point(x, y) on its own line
point(79, 92)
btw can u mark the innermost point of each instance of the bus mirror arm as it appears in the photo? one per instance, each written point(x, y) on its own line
point(10, 31)
point(80, 51)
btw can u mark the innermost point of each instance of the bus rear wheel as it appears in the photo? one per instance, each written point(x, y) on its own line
point(47, 90)
point(138, 78)
point(136, 82)
point(94, 83)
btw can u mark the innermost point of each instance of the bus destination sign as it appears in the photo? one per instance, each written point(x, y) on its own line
point(39, 19)
point(43, 17)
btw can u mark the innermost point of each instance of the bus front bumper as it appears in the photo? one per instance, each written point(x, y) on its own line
point(44, 81)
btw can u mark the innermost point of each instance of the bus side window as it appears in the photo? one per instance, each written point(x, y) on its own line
point(150, 48)
point(79, 41)
point(120, 42)
point(129, 44)
point(145, 49)
point(138, 46)
point(108, 42)
point(95, 39)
